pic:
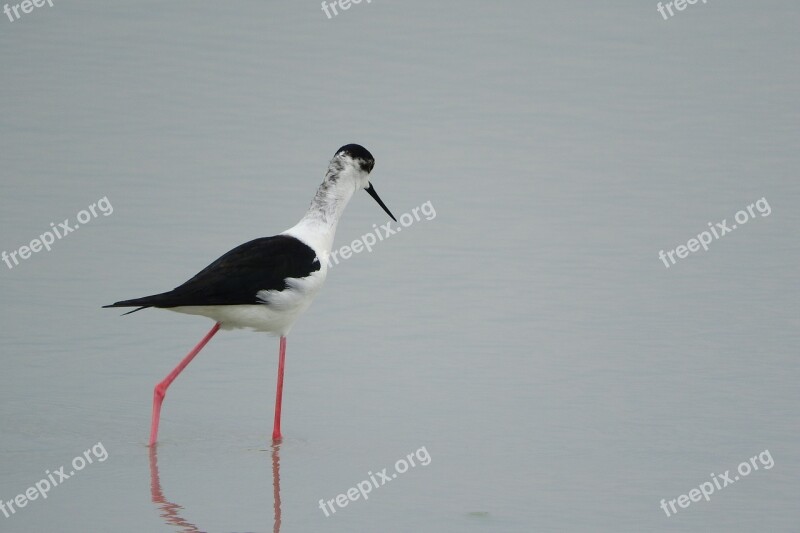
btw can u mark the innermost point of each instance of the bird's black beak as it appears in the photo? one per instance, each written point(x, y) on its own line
point(371, 191)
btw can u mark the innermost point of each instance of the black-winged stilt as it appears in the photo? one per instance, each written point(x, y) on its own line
point(265, 284)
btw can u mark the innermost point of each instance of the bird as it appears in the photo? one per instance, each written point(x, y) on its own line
point(266, 284)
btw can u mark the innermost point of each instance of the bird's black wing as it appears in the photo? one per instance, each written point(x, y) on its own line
point(238, 276)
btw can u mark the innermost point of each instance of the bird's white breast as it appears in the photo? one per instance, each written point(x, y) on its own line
point(276, 315)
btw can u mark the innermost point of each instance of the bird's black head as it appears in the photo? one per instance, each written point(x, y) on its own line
point(354, 162)
point(358, 153)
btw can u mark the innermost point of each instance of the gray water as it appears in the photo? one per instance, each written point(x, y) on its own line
point(557, 375)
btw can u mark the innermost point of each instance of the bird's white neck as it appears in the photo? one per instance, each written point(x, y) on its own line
point(318, 226)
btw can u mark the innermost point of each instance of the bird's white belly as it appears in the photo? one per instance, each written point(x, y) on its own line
point(276, 315)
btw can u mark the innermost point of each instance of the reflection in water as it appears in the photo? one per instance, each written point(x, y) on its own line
point(170, 511)
point(276, 485)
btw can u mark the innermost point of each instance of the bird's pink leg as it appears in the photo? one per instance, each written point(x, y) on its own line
point(161, 389)
point(276, 428)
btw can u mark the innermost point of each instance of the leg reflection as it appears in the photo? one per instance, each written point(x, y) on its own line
point(169, 511)
point(276, 485)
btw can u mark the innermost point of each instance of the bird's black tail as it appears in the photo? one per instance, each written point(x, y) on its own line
point(156, 300)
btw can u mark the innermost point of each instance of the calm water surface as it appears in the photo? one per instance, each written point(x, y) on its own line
point(559, 376)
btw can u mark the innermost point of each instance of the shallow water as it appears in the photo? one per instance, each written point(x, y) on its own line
point(528, 336)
